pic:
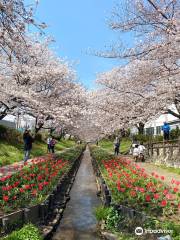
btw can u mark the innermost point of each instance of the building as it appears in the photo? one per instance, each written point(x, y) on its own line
point(8, 124)
point(153, 127)
point(20, 122)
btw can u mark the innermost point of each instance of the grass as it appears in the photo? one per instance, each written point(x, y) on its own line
point(106, 215)
point(123, 236)
point(64, 144)
point(71, 154)
point(28, 232)
point(14, 153)
point(101, 213)
point(109, 145)
point(170, 169)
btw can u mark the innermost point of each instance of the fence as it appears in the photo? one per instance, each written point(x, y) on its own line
point(167, 153)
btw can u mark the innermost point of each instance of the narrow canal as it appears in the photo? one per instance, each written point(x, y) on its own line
point(79, 222)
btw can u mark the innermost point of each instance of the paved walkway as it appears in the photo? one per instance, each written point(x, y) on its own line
point(12, 168)
point(15, 167)
point(78, 222)
point(9, 169)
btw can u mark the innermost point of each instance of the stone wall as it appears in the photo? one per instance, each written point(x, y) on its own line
point(167, 153)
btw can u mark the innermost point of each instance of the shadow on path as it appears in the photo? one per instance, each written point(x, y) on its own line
point(78, 222)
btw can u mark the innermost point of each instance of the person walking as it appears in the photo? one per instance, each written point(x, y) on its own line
point(116, 146)
point(136, 153)
point(141, 149)
point(166, 131)
point(52, 144)
point(49, 144)
point(28, 140)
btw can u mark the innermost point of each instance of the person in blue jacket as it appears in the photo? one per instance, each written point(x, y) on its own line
point(166, 130)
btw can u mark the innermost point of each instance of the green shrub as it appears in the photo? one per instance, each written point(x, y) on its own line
point(147, 138)
point(158, 138)
point(112, 219)
point(3, 130)
point(10, 135)
point(101, 213)
point(154, 223)
point(38, 137)
point(109, 215)
point(28, 232)
point(175, 133)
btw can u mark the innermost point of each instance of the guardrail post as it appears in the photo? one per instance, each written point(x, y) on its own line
point(171, 150)
point(157, 151)
point(5, 222)
point(164, 150)
point(179, 147)
point(42, 212)
point(152, 149)
point(26, 215)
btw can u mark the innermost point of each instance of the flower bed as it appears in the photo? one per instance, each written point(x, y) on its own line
point(131, 186)
point(41, 193)
point(30, 184)
point(33, 183)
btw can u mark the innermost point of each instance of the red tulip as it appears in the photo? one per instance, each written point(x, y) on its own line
point(156, 196)
point(175, 190)
point(5, 198)
point(165, 191)
point(133, 193)
point(163, 203)
point(34, 192)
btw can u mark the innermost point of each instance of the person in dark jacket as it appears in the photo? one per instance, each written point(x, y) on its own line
point(166, 131)
point(116, 146)
point(28, 140)
point(53, 143)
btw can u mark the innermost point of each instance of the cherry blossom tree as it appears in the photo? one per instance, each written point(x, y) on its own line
point(33, 80)
point(149, 83)
point(40, 84)
point(15, 17)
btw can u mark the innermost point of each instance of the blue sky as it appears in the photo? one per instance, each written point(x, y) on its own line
point(78, 25)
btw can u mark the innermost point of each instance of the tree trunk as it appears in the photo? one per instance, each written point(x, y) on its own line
point(52, 130)
point(37, 129)
point(2, 115)
point(3, 112)
point(177, 104)
point(141, 128)
point(61, 134)
point(38, 126)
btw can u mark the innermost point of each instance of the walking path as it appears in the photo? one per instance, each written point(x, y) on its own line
point(150, 168)
point(12, 168)
point(158, 170)
point(78, 222)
